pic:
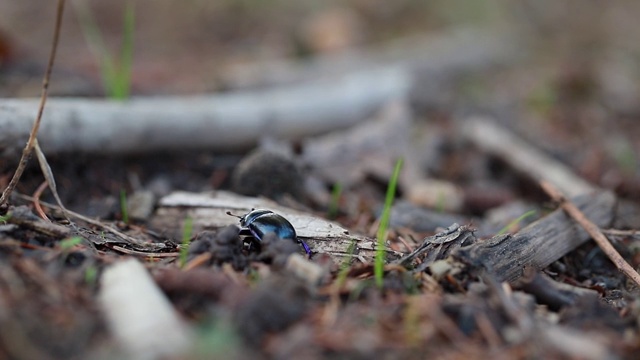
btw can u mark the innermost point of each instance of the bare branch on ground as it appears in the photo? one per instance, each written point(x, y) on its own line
point(237, 120)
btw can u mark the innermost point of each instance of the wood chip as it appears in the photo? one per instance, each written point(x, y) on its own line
point(141, 318)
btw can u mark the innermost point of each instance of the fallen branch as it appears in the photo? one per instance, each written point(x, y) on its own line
point(233, 121)
point(522, 157)
point(552, 237)
point(593, 230)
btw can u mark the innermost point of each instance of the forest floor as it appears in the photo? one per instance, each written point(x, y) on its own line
point(546, 291)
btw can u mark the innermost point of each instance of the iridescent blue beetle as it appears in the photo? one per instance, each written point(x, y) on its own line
point(260, 222)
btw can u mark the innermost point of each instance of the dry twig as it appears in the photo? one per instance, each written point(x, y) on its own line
point(26, 153)
point(197, 261)
point(145, 254)
point(36, 201)
point(126, 238)
point(592, 229)
point(617, 232)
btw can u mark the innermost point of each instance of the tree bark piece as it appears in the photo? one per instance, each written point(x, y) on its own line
point(540, 243)
point(438, 246)
point(593, 230)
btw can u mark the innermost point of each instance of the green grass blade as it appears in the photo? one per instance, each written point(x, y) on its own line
point(512, 223)
point(384, 224)
point(115, 73)
point(335, 201)
point(67, 244)
point(96, 43)
point(344, 267)
point(187, 230)
point(122, 78)
point(91, 275)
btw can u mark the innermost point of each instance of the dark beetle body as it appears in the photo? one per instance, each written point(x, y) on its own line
point(265, 222)
point(260, 222)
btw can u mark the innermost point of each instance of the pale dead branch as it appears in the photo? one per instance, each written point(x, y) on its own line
point(237, 120)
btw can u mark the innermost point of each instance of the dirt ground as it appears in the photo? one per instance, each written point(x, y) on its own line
point(571, 92)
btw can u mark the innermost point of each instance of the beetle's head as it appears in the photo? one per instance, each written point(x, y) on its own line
point(254, 214)
point(251, 216)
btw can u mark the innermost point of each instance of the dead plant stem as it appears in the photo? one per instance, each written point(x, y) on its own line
point(26, 153)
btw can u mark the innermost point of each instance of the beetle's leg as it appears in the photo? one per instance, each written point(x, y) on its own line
point(254, 245)
point(254, 234)
point(249, 239)
point(305, 246)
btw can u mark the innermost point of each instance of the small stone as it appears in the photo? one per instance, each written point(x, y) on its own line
point(140, 205)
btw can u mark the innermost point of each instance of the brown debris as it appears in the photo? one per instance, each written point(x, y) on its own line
point(549, 292)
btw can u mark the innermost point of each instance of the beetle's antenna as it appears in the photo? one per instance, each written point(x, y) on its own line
point(234, 215)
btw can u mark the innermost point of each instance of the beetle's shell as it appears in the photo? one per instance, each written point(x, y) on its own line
point(274, 223)
point(260, 222)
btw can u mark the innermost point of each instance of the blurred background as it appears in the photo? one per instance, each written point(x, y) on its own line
point(571, 83)
point(186, 46)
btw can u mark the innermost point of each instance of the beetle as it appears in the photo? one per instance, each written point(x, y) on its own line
point(259, 222)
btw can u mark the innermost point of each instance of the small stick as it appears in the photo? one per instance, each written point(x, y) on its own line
point(36, 201)
point(592, 229)
point(404, 242)
point(199, 260)
point(617, 232)
point(487, 330)
point(145, 254)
